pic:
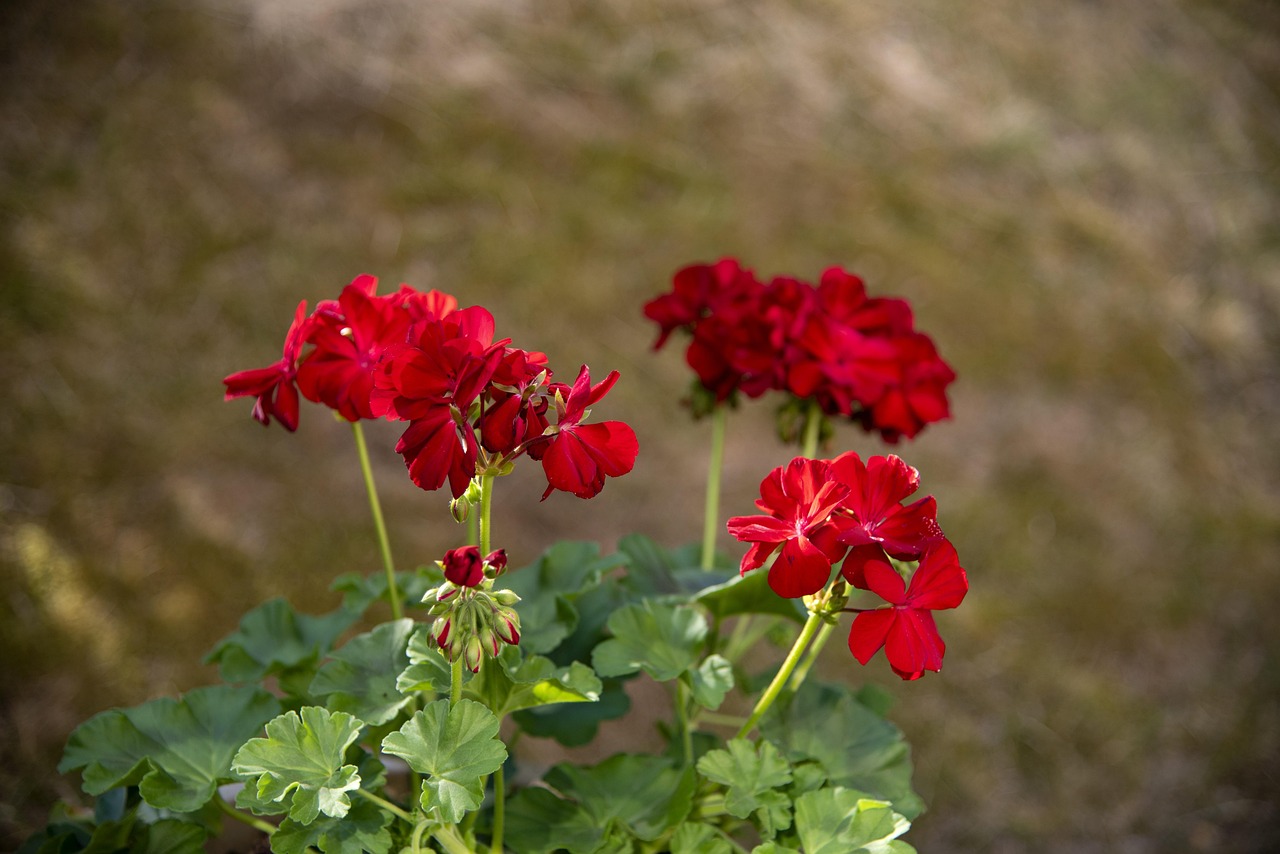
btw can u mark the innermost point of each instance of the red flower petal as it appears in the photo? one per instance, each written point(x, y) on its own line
point(801, 569)
point(868, 633)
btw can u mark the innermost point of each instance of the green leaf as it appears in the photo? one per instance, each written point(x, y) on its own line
point(456, 747)
point(275, 639)
point(360, 591)
point(647, 794)
point(846, 821)
point(753, 774)
point(856, 747)
point(549, 588)
point(361, 677)
point(539, 822)
point(575, 724)
point(171, 836)
point(303, 756)
point(176, 751)
point(697, 838)
point(650, 568)
point(663, 640)
point(364, 828)
point(773, 848)
point(712, 680)
point(428, 669)
point(521, 683)
point(749, 594)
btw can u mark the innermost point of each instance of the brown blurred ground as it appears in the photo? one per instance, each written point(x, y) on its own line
point(1080, 199)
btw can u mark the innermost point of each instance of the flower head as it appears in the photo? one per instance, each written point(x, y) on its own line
point(906, 629)
point(577, 457)
point(273, 387)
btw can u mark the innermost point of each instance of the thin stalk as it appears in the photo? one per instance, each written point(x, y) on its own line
point(682, 717)
point(416, 843)
point(715, 469)
point(499, 810)
point(384, 544)
point(486, 514)
point(812, 430)
point(451, 841)
point(455, 681)
point(797, 678)
point(784, 672)
point(255, 823)
point(385, 804)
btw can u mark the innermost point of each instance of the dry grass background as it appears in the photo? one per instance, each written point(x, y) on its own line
point(1080, 198)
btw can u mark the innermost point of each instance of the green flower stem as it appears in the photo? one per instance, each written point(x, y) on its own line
point(255, 823)
point(715, 469)
point(499, 810)
point(682, 717)
point(455, 681)
point(486, 514)
point(812, 430)
point(718, 719)
point(384, 544)
point(784, 672)
point(451, 841)
point(797, 678)
point(385, 804)
point(416, 843)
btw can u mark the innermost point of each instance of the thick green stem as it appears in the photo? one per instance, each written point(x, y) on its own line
point(255, 823)
point(451, 841)
point(812, 430)
point(499, 810)
point(715, 469)
point(780, 679)
point(797, 678)
point(455, 681)
point(385, 804)
point(486, 514)
point(384, 544)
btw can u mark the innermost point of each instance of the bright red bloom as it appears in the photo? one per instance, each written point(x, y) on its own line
point(919, 397)
point(801, 500)
point(350, 343)
point(907, 630)
point(698, 290)
point(880, 520)
point(274, 386)
point(464, 567)
point(577, 457)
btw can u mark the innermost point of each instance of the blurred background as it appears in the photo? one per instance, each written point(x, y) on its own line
point(1079, 198)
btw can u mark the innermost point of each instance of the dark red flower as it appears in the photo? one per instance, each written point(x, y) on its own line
point(919, 397)
point(577, 457)
point(880, 520)
point(698, 290)
point(801, 500)
point(907, 630)
point(464, 567)
point(350, 343)
point(274, 387)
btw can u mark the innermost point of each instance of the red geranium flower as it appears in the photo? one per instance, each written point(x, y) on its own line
point(464, 567)
point(919, 397)
point(907, 630)
point(801, 500)
point(577, 457)
point(350, 344)
point(274, 388)
point(880, 520)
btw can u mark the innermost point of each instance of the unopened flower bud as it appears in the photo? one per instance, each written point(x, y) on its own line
point(440, 630)
point(456, 645)
point(496, 560)
point(505, 597)
point(507, 626)
point(474, 654)
point(489, 641)
point(460, 509)
point(464, 567)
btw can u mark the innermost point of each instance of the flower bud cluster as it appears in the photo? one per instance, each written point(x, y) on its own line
point(472, 620)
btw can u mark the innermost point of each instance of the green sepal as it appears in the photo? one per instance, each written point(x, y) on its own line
point(663, 640)
point(856, 747)
point(520, 682)
point(455, 746)
point(846, 821)
point(361, 678)
point(364, 828)
point(175, 751)
point(303, 757)
point(274, 639)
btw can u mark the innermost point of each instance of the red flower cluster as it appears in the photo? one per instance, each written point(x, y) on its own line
point(472, 404)
point(823, 512)
point(858, 356)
